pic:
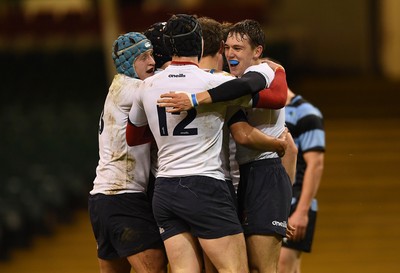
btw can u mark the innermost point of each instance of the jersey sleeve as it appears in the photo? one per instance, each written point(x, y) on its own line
point(235, 114)
point(311, 135)
point(249, 83)
point(275, 96)
point(137, 130)
point(137, 115)
point(265, 70)
point(138, 135)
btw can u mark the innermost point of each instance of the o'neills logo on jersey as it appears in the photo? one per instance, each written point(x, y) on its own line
point(280, 224)
point(176, 75)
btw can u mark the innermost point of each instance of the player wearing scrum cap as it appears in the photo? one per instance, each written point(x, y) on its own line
point(122, 220)
point(155, 34)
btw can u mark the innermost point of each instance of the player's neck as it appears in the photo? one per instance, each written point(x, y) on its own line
point(256, 61)
point(185, 60)
point(208, 63)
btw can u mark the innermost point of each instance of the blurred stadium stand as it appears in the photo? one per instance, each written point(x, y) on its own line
point(49, 109)
point(54, 82)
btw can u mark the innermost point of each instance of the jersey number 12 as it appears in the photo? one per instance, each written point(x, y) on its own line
point(180, 129)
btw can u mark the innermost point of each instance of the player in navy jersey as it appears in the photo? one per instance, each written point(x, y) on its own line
point(305, 123)
point(122, 220)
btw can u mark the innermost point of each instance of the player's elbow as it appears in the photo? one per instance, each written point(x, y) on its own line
point(242, 133)
point(242, 139)
point(239, 134)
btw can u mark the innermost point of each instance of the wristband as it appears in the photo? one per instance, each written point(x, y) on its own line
point(194, 100)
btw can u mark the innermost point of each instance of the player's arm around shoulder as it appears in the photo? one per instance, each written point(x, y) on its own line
point(184, 101)
point(275, 96)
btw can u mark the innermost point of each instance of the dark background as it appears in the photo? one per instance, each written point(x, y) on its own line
point(55, 71)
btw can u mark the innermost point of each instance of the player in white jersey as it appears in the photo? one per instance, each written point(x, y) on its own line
point(264, 192)
point(162, 59)
point(120, 212)
point(274, 97)
point(243, 50)
point(211, 61)
point(191, 202)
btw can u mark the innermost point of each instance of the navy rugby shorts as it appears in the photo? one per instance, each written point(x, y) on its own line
point(264, 197)
point(200, 205)
point(123, 224)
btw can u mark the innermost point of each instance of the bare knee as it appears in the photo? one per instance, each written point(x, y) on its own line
point(289, 261)
point(284, 265)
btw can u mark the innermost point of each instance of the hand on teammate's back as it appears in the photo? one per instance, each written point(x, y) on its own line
point(175, 101)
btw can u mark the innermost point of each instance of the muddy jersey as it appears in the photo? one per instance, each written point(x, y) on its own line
point(121, 168)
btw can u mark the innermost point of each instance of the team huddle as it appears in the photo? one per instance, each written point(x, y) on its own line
point(196, 160)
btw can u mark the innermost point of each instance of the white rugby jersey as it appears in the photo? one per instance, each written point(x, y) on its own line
point(270, 122)
point(227, 139)
point(265, 70)
point(121, 168)
point(190, 142)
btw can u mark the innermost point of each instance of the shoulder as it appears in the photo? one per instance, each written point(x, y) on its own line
point(223, 75)
point(218, 72)
point(123, 84)
point(127, 82)
point(303, 115)
point(303, 107)
point(261, 68)
point(213, 79)
point(264, 70)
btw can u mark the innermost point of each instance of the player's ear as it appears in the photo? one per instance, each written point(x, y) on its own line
point(221, 47)
point(258, 51)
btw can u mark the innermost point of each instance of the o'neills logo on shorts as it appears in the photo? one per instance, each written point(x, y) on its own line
point(161, 230)
point(280, 224)
point(176, 75)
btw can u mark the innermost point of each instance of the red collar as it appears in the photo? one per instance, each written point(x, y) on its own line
point(183, 63)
